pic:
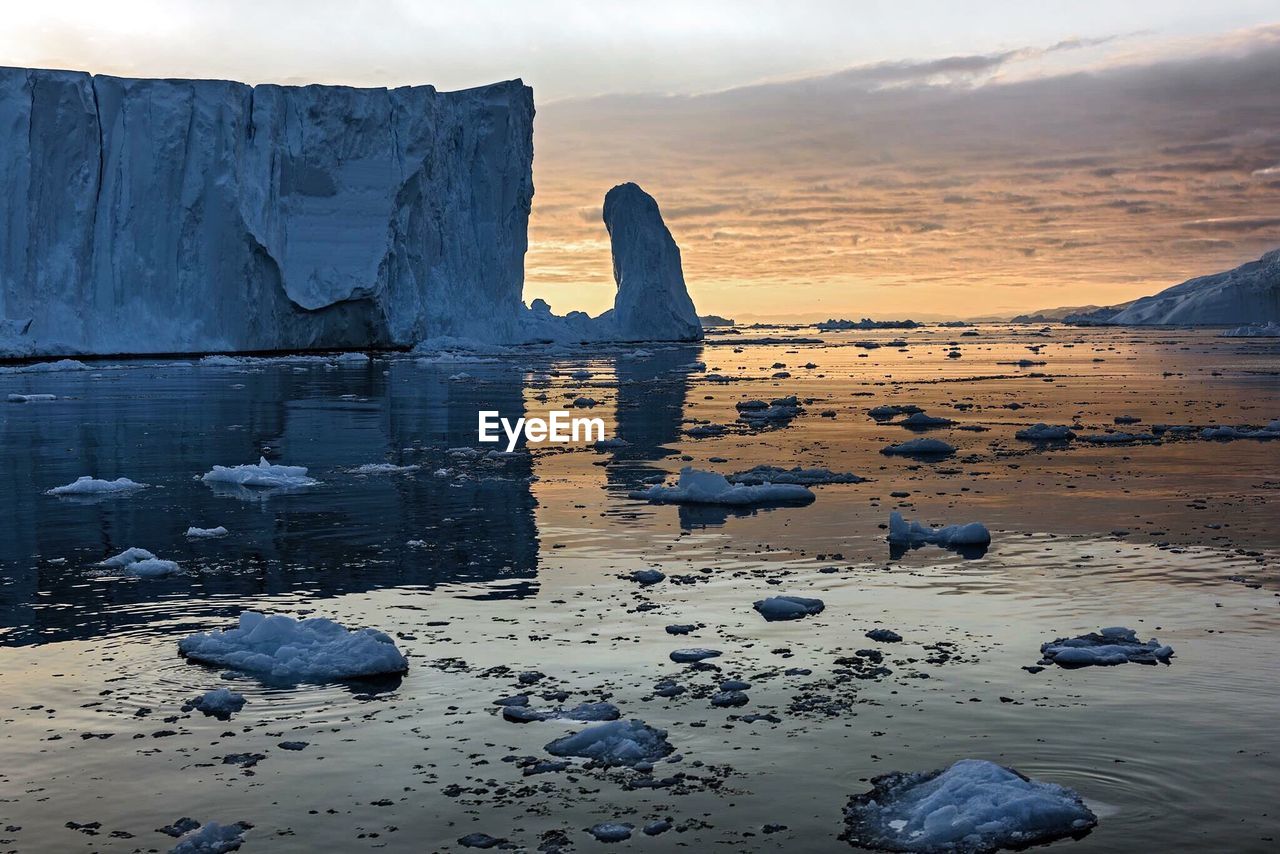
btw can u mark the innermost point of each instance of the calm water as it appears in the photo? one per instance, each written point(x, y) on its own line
point(517, 568)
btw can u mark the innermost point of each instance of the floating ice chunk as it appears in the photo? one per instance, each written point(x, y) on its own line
point(1110, 646)
point(920, 448)
point(141, 563)
point(611, 831)
point(610, 444)
point(973, 807)
point(351, 359)
point(705, 487)
point(522, 714)
point(788, 607)
point(1271, 431)
point(32, 398)
point(1118, 438)
point(887, 411)
point(212, 838)
point(919, 421)
point(86, 485)
point(263, 475)
point(911, 533)
point(195, 533)
point(687, 656)
point(797, 475)
point(283, 648)
point(46, 367)
point(383, 468)
point(220, 703)
point(615, 743)
point(1265, 330)
point(884, 636)
point(1045, 433)
point(645, 577)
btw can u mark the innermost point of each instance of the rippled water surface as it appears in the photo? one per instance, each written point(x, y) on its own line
point(484, 568)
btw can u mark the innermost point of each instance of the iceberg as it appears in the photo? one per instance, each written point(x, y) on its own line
point(1045, 433)
point(141, 563)
point(289, 650)
point(706, 487)
point(87, 485)
point(220, 703)
point(787, 607)
point(1248, 294)
point(926, 448)
point(158, 216)
point(798, 475)
point(914, 533)
point(620, 742)
point(1106, 647)
point(212, 838)
point(972, 807)
point(1264, 330)
point(264, 475)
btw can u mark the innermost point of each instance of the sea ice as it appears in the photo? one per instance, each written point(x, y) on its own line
point(86, 485)
point(788, 607)
point(614, 743)
point(911, 533)
point(920, 448)
point(220, 703)
point(1110, 646)
point(705, 487)
point(264, 475)
point(283, 648)
point(972, 807)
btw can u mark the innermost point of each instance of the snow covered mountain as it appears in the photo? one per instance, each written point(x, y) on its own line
point(1248, 294)
point(147, 216)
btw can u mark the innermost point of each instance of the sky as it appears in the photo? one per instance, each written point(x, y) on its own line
point(813, 159)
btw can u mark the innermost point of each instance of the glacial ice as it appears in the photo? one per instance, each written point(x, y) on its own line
point(1264, 330)
point(912, 533)
point(147, 216)
point(212, 838)
point(195, 533)
point(1106, 647)
point(787, 607)
point(88, 485)
point(623, 742)
point(705, 487)
point(264, 475)
point(972, 807)
point(289, 650)
point(220, 703)
point(141, 563)
point(1248, 294)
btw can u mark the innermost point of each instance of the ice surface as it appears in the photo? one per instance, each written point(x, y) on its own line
point(206, 216)
point(910, 533)
point(283, 648)
point(923, 421)
point(220, 703)
point(611, 831)
point(212, 838)
point(624, 742)
point(1247, 294)
point(1265, 330)
point(972, 807)
point(582, 712)
point(1045, 433)
point(31, 398)
point(87, 485)
point(264, 475)
point(1110, 646)
point(797, 475)
point(142, 563)
point(688, 656)
point(787, 607)
point(920, 448)
point(206, 533)
point(704, 487)
point(383, 468)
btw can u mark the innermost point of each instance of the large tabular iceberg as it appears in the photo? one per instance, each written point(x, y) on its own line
point(1249, 293)
point(146, 216)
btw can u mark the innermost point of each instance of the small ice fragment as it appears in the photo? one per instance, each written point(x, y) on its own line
point(788, 607)
point(87, 485)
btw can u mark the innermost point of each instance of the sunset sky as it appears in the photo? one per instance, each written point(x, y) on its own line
point(813, 159)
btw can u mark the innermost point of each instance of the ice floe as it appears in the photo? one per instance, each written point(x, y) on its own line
point(264, 475)
point(1045, 433)
point(923, 421)
point(87, 485)
point(194, 533)
point(1106, 647)
point(382, 468)
point(787, 607)
point(622, 742)
point(797, 475)
point(972, 807)
point(283, 648)
point(220, 703)
point(212, 838)
point(522, 714)
point(31, 398)
point(141, 563)
point(920, 448)
point(911, 533)
point(688, 656)
point(704, 487)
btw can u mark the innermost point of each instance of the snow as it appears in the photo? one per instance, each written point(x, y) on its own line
point(787, 607)
point(1045, 433)
point(920, 448)
point(286, 649)
point(622, 742)
point(704, 487)
point(972, 807)
point(797, 475)
point(206, 533)
point(1248, 294)
point(1106, 647)
point(913, 533)
point(263, 475)
point(212, 838)
point(207, 216)
point(220, 703)
point(87, 485)
point(141, 563)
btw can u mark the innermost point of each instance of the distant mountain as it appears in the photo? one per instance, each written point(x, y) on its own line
point(1057, 315)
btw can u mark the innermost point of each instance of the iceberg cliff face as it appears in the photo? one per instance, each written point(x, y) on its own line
point(146, 216)
point(652, 302)
point(1248, 294)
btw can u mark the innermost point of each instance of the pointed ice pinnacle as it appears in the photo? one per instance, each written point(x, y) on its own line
point(652, 303)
